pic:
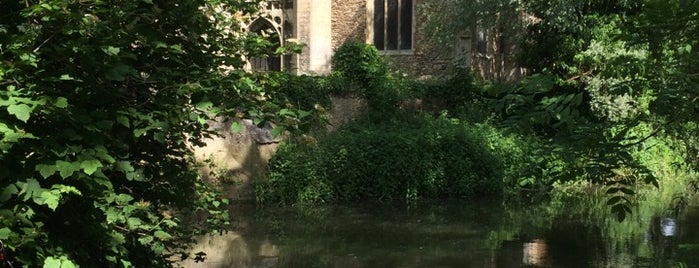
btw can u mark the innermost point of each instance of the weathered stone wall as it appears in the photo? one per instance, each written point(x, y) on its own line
point(234, 159)
point(349, 21)
point(428, 58)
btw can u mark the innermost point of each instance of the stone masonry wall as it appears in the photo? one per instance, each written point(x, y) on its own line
point(349, 23)
point(349, 19)
point(233, 160)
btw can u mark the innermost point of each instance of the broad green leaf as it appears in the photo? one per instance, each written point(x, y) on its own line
point(112, 216)
point(5, 233)
point(52, 262)
point(29, 59)
point(287, 112)
point(29, 188)
point(111, 51)
point(51, 199)
point(303, 114)
point(145, 240)
point(90, 166)
point(61, 102)
point(46, 170)
point(133, 222)
point(140, 131)
point(37, 196)
point(118, 238)
point(66, 77)
point(162, 235)
point(277, 131)
point(66, 169)
point(123, 120)
point(21, 111)
point(176, 48)
point(169, 223)
point(66, 263)
point(8, 192)
point(135, 176)
point(124, 166)
point(61, 188)
point(123, 198)
point(236, 127)
point(204, 105)
point(103, 154)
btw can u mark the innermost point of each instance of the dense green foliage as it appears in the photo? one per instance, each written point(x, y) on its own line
point(423, 158)
point(360, 63)
point(609, 99)
point(608, 81)
point(406, 147)
point(99, 107)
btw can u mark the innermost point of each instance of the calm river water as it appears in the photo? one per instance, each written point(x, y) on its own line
point(454, 234)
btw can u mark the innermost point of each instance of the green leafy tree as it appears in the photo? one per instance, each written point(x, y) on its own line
point(100, 105)
point(605, 77)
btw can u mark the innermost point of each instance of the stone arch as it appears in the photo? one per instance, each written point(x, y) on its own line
point(266, 29)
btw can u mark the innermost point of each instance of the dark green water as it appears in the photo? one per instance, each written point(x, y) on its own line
point(456, 234)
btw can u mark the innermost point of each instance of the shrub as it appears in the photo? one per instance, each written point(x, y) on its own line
point(359, 62)
point(421, 158)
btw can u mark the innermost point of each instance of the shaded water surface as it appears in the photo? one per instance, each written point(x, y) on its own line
point(452, 234)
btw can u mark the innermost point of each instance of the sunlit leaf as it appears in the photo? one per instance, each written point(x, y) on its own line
point(61, 102)
point(111, 51)
point(236, 127)
point(90, 166)
point(5, 233)
point(21, 111)
point(162, 235)
point(145, 240)
point(134, 222)
point(52, 262)
point(50, 199)
point(66, 169)
point(46, 170)
point(123, 198)
point(277, 131)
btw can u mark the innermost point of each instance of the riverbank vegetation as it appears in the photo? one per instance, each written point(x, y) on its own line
point(101, 103)
point(609, 98)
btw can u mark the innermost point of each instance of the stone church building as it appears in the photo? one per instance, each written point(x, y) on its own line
point(393, 26)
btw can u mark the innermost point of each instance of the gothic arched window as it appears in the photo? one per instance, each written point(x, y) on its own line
point(269, 62)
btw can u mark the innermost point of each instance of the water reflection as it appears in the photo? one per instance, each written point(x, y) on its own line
point(449, 235)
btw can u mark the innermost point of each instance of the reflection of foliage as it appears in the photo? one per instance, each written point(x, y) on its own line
point(574, 225)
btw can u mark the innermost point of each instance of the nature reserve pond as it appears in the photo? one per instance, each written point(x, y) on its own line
point(455, 234)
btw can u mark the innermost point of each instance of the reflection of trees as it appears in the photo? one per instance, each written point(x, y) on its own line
point(660, 236)
point(444, 236)
point(575, 243)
